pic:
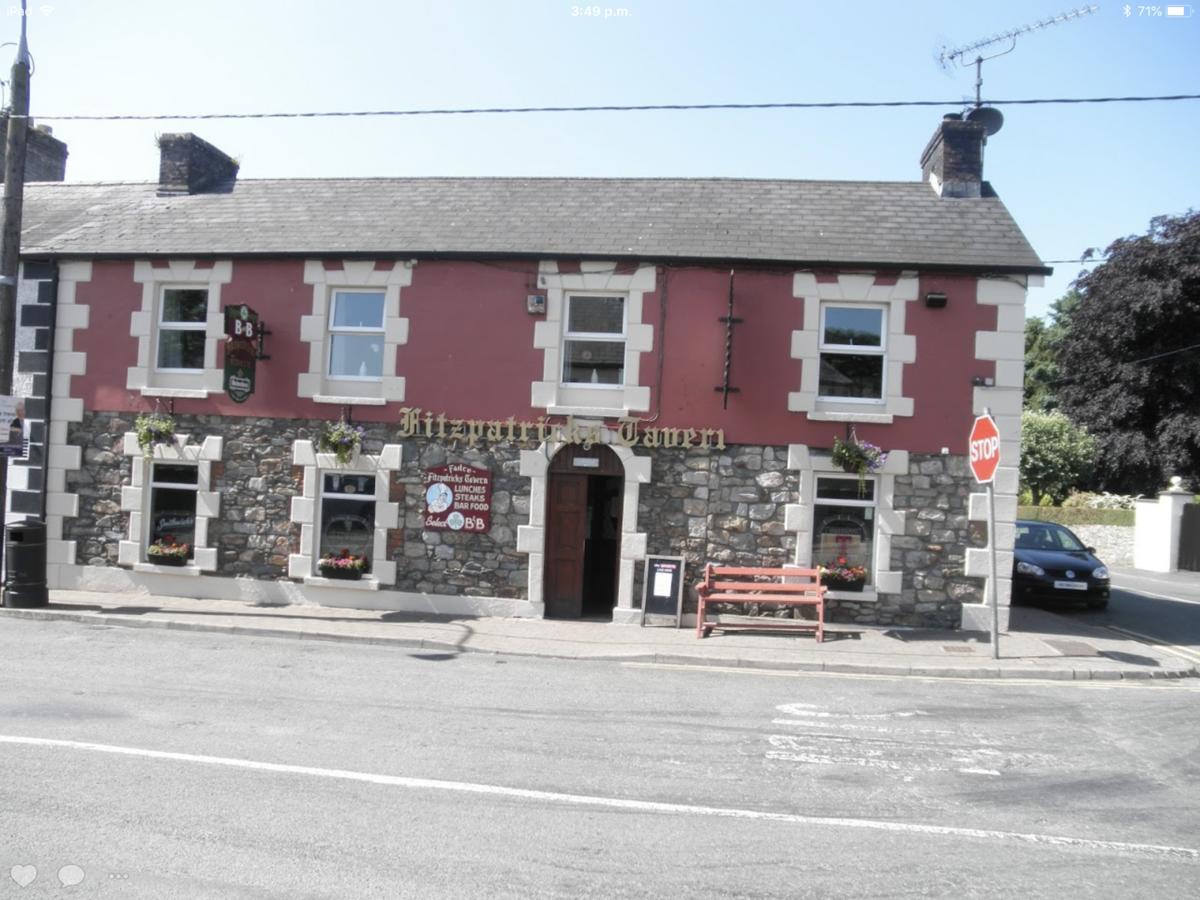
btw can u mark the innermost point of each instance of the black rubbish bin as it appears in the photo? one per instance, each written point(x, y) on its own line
point(25, 565)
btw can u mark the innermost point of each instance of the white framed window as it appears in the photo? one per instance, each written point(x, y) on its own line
point(347, 516)
point(170, 499)
point(173, 487)
point(181, 330)
point(853, 353)
point(355, 331)
point(356, 335)
point(178, 328)
point(593, 338)
point(843, 528)
point(594, 329)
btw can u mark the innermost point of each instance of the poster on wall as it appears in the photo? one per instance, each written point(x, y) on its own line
point(458, 498)
point(12, 427)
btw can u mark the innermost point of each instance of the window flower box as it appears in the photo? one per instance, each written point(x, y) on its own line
point(344, 565)
point(843, 577)
point(165, 552)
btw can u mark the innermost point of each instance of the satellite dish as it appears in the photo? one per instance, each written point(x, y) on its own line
point(991, 119)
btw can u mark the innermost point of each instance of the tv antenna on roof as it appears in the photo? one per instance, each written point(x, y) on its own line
point(960, 55)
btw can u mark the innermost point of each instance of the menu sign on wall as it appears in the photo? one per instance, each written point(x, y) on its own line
point(458, 498)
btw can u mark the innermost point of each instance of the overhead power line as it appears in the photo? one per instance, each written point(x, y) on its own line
point(647, 107)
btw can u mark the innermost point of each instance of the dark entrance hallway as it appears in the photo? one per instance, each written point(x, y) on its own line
point(583, 529)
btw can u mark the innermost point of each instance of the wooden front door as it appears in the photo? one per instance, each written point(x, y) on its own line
point(566, 519)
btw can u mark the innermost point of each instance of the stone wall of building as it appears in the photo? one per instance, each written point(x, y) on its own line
point(449, 562)
point(932, 551)
point(256, 481)
point(723, 506)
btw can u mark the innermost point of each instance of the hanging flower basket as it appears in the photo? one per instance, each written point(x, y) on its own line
point(341, 439)
point(344, 565)
point(165, 552)
point(858, 458)
point(153, 428)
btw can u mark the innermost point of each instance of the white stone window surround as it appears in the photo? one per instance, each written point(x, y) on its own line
point(315, 384)
point(62, 457)
point(596, 401)
point(531, 538)
point(135, 500)
point(826, 349)
point(306, 513)
point(143, 325)
point(849, 289)
point(798, 517)
point(1006, 346)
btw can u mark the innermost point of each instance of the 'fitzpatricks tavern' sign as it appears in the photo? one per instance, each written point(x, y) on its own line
point(241, 352)
point(628, 433)
point(458, 498)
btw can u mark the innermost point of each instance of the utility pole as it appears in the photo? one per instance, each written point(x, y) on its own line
point(10, 236)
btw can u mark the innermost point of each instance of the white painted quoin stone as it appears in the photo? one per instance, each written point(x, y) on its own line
point(1006, 347)
point(531, 538)
point(306, 513)
point(315, 384)
point(62, 457)
point(596, 401)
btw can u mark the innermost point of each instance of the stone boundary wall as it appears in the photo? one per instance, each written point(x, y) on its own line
point(1113, 543)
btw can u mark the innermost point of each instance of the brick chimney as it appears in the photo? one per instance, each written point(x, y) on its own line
point(45, 155)
point(953, 159)
point(189, 165)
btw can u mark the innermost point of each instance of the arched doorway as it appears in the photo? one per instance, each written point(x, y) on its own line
point(583, 532)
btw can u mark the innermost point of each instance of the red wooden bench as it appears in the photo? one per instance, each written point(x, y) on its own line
point(776, 586)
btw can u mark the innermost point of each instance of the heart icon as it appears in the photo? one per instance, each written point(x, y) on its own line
point(70, 875)
point(23, 875)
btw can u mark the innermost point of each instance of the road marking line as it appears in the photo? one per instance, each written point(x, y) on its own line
point(1186, 652)
point(1182, 854)
point(1137, 590)
point(1099, 684)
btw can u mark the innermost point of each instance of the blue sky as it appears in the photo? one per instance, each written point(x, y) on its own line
point(1073, 176)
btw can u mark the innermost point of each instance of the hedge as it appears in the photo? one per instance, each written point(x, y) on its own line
point(1077, 516)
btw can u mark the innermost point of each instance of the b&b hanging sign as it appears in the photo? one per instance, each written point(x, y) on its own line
point(242, 342)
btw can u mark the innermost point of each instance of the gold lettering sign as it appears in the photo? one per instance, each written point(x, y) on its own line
point(627, 433)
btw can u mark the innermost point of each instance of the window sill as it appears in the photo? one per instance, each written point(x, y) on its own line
point(866, 595)
point(366, 583)
point(349, 401)
point(190, 570)
point(180, 393)
point(875, 418)
point(590, 412)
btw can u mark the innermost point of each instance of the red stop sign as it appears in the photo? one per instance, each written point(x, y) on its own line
point(984, 447)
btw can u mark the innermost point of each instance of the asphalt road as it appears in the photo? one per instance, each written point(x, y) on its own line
point(160, 764)
point(1162, 609)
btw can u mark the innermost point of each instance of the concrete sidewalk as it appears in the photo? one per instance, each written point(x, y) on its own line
point(1039, 645)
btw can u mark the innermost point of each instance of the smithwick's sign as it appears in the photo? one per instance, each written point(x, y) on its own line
point(458, 498)
point(627, 433)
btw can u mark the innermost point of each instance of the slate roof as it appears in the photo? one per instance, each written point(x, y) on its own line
point(719, 219)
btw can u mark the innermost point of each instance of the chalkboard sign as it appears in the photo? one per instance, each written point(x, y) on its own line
point(662, 588)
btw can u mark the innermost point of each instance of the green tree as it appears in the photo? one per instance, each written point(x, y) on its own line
point(1129, 357)
point(1055, 455)
point(1041, 354)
